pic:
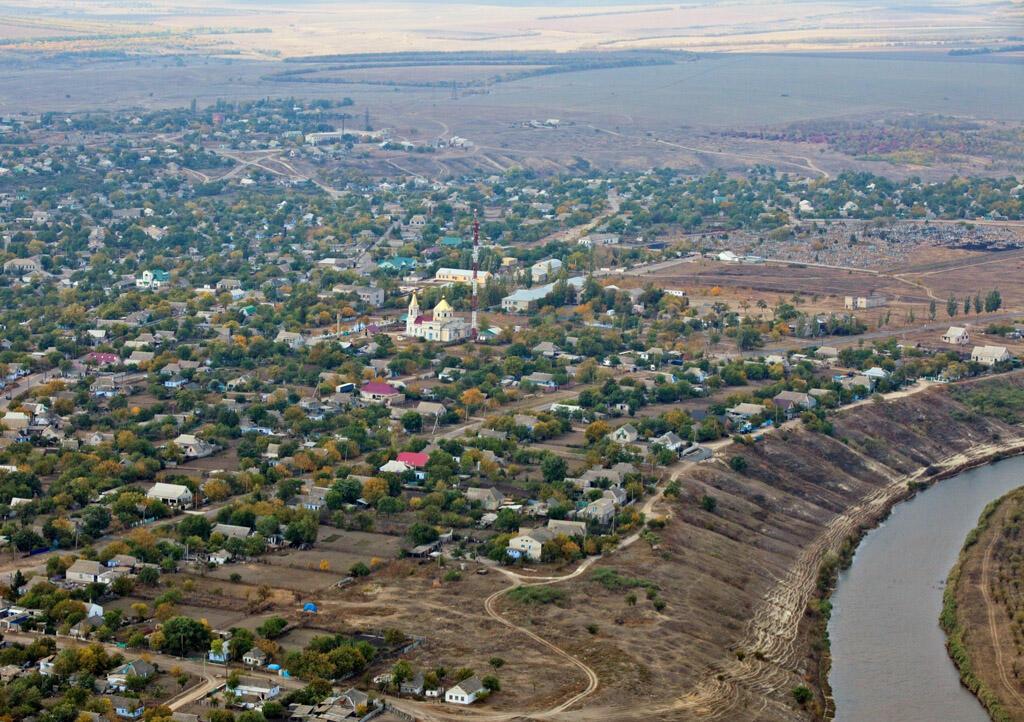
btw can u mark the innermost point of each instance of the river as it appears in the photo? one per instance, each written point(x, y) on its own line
point(889, 658)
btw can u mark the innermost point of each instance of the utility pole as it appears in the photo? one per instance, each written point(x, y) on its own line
point(474, 329)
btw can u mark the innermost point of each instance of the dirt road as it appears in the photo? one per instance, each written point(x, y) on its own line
point(993, 610)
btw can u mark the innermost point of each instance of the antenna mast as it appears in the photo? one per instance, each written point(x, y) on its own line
point(475, 330)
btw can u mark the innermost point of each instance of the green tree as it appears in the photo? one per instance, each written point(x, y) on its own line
point(951, 306)
point(183, 635)
point(420, 533)
point(412, 422)
point(553, 468)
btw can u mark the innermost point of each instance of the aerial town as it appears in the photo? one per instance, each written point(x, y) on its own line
point(285, 437)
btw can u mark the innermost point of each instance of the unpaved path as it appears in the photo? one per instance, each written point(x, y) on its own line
point(992, 612)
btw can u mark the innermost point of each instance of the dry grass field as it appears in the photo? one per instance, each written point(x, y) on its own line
point(304, 28)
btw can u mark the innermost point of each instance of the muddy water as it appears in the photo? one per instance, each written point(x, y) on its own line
point(889, 657)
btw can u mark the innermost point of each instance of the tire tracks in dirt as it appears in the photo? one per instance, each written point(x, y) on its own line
point(984, 585)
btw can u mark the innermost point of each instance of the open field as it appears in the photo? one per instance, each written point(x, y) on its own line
point(269, 27)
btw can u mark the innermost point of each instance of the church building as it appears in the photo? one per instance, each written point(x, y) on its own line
point(442, 325)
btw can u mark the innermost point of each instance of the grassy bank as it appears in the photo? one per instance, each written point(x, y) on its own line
point(952, 620)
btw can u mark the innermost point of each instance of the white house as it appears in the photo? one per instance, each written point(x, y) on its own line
point(465, 692)
point(990, 355)
point(255, 657)
point(192, 446)
point(957, 335)
point(543, 270)
point(600, 510)
point(531, 541)
point(253, 691)
point(85, 571)
point(171, 494)
point(626, 434)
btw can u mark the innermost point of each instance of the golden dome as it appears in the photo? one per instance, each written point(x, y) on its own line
point(442, 307)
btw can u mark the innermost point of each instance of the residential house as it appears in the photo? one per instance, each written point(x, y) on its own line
point(671, 441)
point(127, 707)
point(626, 434)
point(465, 692)
point(412, 686)
point(530, 542)
point(292, 339)
point(85, 571)
point(743, 411)
point(957, 335)
point(231, 531)
point(174, 495)
point(600, 510)
point(567, 528)
point(378, 392)
point(193, 447)
point(255, 657)
point(252, 692)
point(118, 678)
point(489, 499)
point(542, 271)
point(793, 402)
point(990, 355)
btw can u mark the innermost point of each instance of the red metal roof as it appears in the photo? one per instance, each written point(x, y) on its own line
point(378, 387)
point(415, 459)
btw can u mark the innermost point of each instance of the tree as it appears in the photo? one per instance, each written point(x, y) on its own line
point(184, 635)
point(931, 310)
point(748, 338)
point(597, 431)
point(373, 489)
point(491, 683)
point(708, 503)
point(95, 520)
point(302, 529)
point(194, 525)
point(412, 422)
point(951, 306)
point(400, 672)
point(25, 540)
point(242, 641)
point(737, 463)
point(272, 627)
point(553, 468)
point(471, 398)
point(802, 695)
point(993, 301)
point(345, 491)
point(420, 533)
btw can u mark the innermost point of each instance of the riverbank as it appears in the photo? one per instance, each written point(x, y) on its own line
point(980, 604)
point(737, 562)
point(837, 560)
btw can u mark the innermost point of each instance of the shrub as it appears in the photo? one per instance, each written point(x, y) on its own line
point(537, 595)
point(802, 695)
